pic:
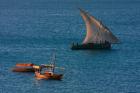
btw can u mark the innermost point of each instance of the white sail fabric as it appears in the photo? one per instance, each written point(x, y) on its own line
point(90, 33)
point(96, 31)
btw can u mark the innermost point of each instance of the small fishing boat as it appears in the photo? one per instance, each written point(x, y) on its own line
point(98, 36)
point(47, 72)
point(48, 75)
point(23, 67)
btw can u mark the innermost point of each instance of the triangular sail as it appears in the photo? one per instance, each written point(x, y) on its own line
point(105, 33)
point(90, 33)
point(96, 31)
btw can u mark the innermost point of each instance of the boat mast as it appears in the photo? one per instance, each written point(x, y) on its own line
point(53, 62)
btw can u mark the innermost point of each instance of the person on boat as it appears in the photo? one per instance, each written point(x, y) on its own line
point(37, 68)
point(77, 44)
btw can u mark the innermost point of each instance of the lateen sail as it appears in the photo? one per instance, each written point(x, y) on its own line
point(96, 31)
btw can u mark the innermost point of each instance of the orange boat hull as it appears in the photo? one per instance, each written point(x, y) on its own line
point(48, 76)
point(23, 67)
point(25, 64)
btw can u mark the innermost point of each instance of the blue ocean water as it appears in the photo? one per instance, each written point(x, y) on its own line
point(31, 30)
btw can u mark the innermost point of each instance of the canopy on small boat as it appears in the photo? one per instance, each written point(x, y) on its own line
point(96, 31)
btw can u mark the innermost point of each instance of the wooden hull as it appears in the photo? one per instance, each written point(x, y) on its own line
point(48, 76)
point(23, 69)
point(91, 46)
point(56, 76)
point(25, 64)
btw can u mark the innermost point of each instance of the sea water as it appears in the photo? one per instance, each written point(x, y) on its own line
point(31, 30)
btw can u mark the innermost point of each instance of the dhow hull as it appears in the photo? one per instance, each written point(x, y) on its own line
point(91, 46)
